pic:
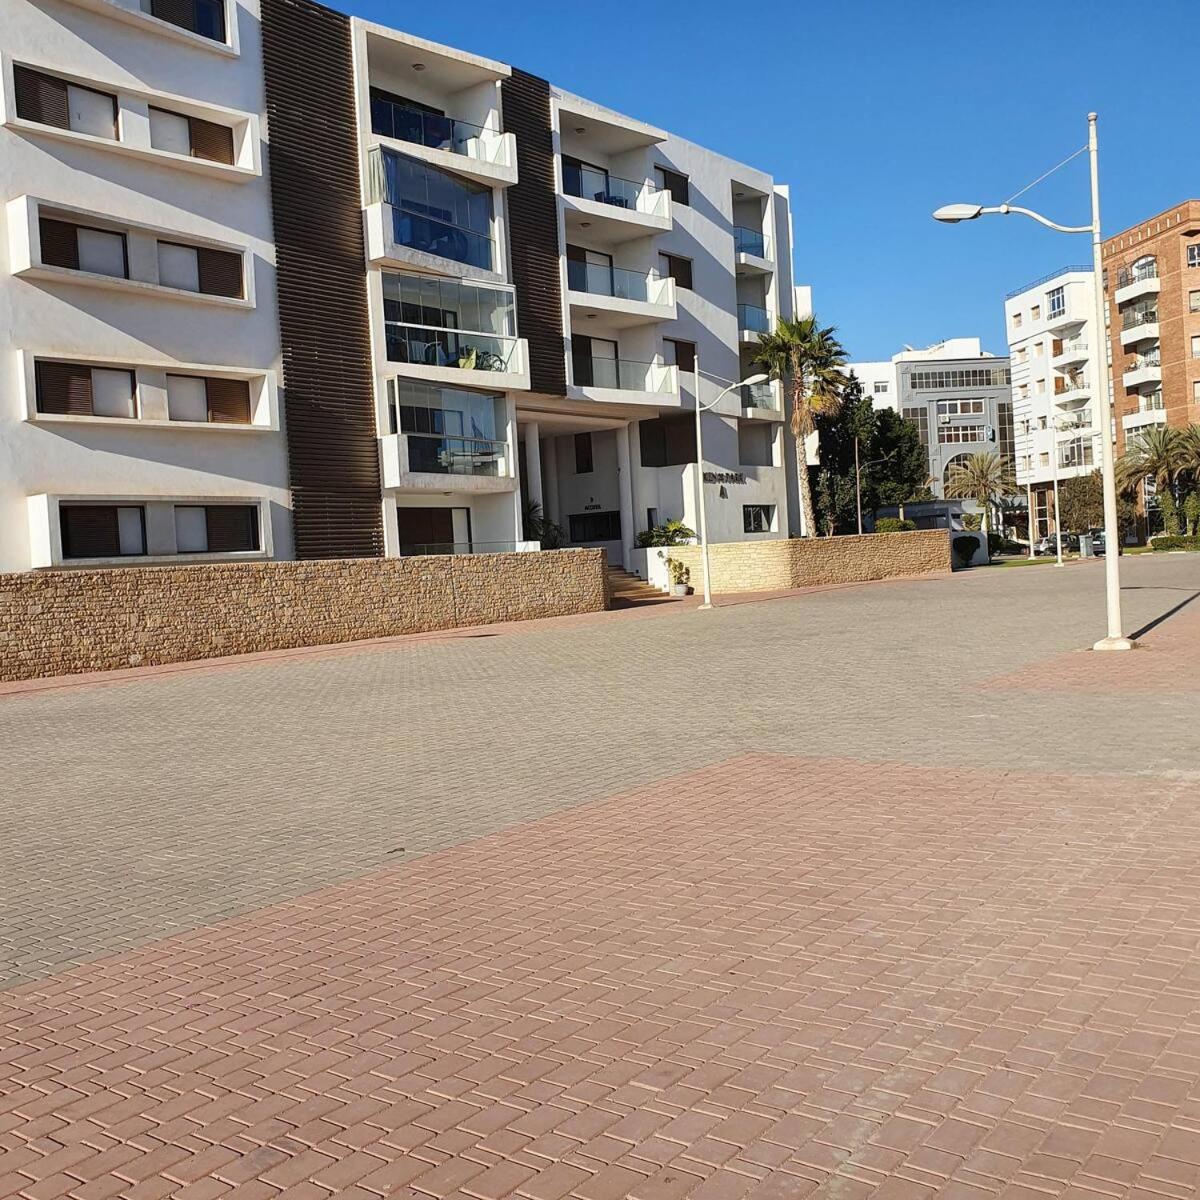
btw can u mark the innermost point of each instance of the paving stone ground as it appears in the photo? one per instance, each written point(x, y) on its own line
point(883, 891)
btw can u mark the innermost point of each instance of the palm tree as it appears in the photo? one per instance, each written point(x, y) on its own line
point(1189, 452)
point(984, 477)
point(1157, 453)
point(811, 359)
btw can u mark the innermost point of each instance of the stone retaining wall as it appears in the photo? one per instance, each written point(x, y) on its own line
point(809, 562)
point(62, 622)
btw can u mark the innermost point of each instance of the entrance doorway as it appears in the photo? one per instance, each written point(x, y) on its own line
point(432, 530)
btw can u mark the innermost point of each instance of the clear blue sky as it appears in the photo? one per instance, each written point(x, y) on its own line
point(875, 112)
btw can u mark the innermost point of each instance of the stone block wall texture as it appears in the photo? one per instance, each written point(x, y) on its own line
point(810, 562)
point(64, 622)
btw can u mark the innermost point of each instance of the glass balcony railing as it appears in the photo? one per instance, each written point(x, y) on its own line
point(1153, 359)
point(389, 119)
point(432, 347)
point(753, 319)
point(759, 395)
point(590, 184)
point(624, 373)
point(415, 548)
point(1153, 403)
point(599, 280)
point(435, 454)
point(751, 241)
point(1137, 273)
point(441, 238)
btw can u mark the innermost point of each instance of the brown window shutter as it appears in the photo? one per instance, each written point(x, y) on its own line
point(64, 388)
point(220, 272)
point(231, 527)
point(178, 12)
point(211, 141)
point(41, 98)
point(228, 400)
point(89, 531)
point(60, 246)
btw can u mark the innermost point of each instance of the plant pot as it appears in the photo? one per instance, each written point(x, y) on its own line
point(679, 589)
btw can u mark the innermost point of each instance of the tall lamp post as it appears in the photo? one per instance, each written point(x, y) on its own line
point(952, 214)
point(700, 505)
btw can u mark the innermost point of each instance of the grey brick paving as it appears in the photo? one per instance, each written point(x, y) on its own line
point(135, 810)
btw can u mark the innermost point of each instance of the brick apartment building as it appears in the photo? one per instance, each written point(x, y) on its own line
point(1152, 287)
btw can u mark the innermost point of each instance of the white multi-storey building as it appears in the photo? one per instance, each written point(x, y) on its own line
point(1055, 355)
point(280, 282)
point(139, 341)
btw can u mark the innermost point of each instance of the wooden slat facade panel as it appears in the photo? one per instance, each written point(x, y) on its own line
point(533, 230)
point(220, 272)
point(228, 400)
point(60, 243)
point(41, 98)
point(328, 379)
point(64, 388)
point(210, 140)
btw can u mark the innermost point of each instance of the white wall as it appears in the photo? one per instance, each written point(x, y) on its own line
point(69, 320)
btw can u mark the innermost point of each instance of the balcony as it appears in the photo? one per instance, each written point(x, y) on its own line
point(1064, 353)
point(752, 320)
point(1063, 318)
point(1139, 325)
point(762, 401)
point(458, 357)
point(613, 209)
point(1071, 390)
point(1150, 411)
point(1145, 368)
point(1137, 281)
point(417, 462)
point(623, 298)
point(624, 381)
point(483, 154)
point(752, 251)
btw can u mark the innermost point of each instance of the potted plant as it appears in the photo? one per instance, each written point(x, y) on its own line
point(679, 577)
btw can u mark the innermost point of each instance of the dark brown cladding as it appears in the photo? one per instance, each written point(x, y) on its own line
point(328, 383)
point(533, 231)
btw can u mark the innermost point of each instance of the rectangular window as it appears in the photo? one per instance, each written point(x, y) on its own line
point(1056, 302)
point(678, 268)
point(190, 136)
point(216, 528)
point(75, 389)
point(211, 399)
point(956, 408)
point(200, 269)
point(949, 434)
point(1035, 312)
point(1194, 301)
point(1193, 255)
point(102, 252)
point(758, 518)
point(959, 378)
point(102, 530)
point(667, 441)
point(583, 455)
point(1195, 346)
point(882, 387)
point(205, 17)
point(425, 300)
point(675, 183)
point(680, 354)
point(755, 444)
point(595, 527)
point(920, 418)
point(178, 267)
point(1018, 320)
point(48, 100)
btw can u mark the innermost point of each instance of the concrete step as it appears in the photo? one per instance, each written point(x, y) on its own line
point(627, 588)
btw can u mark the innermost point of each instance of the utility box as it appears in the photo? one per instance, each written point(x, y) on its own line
point(1085, 546)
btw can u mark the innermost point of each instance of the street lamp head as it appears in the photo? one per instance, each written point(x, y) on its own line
point(951, 214)
point(761, 378)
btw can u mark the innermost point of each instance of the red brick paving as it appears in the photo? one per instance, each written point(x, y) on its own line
point(771, 978)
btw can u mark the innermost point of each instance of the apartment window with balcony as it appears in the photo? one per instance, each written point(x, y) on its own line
point(677, 268)
point(208, 399)
point(83, 248)
point(680, 354)
point(78, 390)
point(583, 456)
point(675, 183)
point(444, 322)
point(436, 212)
point(102, 530)
point(216, 528)
point(757, 518)
point(667, 441)
point(190, 136)
point(48, 100)
point(200, 269)
point(1056, 302)
point(205, 17)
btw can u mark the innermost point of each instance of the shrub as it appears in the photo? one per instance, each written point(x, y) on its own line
point(1175, 542)
point(999, 544)
point(894, 525)
point(672, 533)
point(964, 547)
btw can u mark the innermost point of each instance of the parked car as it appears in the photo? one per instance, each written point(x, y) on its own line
point(1049, 544)
point(1098, 543)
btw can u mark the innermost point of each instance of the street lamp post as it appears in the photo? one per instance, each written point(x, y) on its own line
point(858, 479)
point(952, 214)
point(700, 505)
point(1057, 510)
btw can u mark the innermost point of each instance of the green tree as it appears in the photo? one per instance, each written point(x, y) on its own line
point(903, 475)
point(835, 499)
point(1082, 500)
point(984, 478)
point(1157, 453)
point(810, 358)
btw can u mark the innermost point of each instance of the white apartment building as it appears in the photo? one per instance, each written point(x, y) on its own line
point(281, 282)
point(956, 393)
point(139, 340)
point(1058, 365)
